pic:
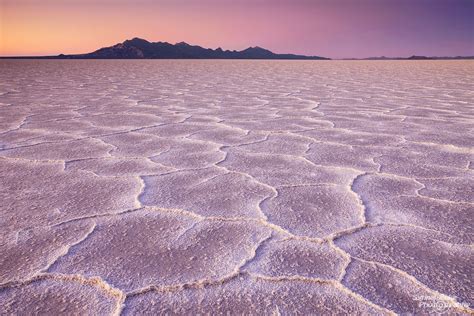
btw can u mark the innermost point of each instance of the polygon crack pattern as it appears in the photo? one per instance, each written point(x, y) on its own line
point(241, 187)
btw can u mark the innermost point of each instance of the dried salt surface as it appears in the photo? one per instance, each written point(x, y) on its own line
point(112, 166)
point(315, 211)
point(285, 170)
point(237, 187)
point(393, 199)
point(66, 150)
point(190, 154)
point(31, 250)
point(42, 193)
point(293, 257)
point(393, 289)
point(233, 194)
point(162, 249)
point(258, 295)
point(442, 266)
point(60, 295)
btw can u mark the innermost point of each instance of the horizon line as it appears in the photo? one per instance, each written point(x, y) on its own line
point(379, 57)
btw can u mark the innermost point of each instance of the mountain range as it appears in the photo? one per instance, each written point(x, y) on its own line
point(138, 48)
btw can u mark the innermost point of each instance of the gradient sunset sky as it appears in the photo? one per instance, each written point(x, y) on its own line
point(331, 28)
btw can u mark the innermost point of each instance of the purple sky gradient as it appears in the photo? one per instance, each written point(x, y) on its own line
point(331, 28)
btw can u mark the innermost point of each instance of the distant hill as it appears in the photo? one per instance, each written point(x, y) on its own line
point(138, 48)
point(414, 57)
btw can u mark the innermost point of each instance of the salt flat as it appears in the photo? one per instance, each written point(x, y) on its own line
point(241, 187)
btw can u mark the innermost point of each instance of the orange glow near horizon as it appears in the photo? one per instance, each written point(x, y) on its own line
point(33, 29)
point(60, 29)
point(331, 28)
point(57, 30)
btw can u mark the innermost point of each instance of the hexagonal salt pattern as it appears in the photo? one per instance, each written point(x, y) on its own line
point(236, 187)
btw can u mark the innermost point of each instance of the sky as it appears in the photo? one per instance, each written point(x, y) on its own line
point(330, 28)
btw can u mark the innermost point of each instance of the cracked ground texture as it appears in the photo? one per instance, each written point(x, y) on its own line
point(236, 187)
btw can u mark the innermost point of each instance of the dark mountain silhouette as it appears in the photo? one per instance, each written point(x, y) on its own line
point(415, 57)
point(138, 48)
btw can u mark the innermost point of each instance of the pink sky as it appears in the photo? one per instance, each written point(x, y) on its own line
point(331, 28)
